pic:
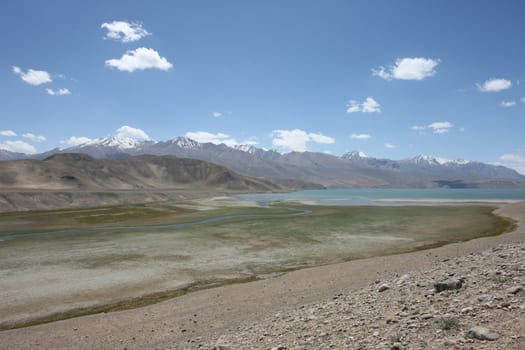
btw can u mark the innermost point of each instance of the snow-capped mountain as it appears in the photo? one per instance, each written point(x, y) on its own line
point(185, 143)
point(251, 149)
point(108, 147)
point(431, 160)
point(119, 142)
point(354, 155)
point(353, 169)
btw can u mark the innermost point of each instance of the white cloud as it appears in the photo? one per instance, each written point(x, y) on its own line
point(124, 31)
point(416, 68)
point(297, 139)
point(18, 147)
point(216, 114)
point(418, 128)
point(59, 92)
point(440, 127)
point(512, 158)
point(141, 58)
point(134, 133)
point(8, 133)
point(230, 142)
point(508, 103)
point(495, 85)
point(382, 73)
point(514, 161)
point(34, 138)
point(522, 99)
point(33, 77)
point(320, 138)
point(250, 142)
point(369, 105)
point(353, 106)
point(217, 139)
point(361, 136)
point(76, 141)
point(389, 145)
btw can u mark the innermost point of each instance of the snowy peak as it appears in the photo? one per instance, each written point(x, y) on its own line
point(246, 148)
point(354, 155)
point(431, 160)
point(186, 143)
point(119, 142)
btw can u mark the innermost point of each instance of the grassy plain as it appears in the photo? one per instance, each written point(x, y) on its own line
point(64, 263)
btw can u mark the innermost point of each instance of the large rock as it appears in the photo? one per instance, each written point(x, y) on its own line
point(447, 283)
point(482, 333)
point(514, 290)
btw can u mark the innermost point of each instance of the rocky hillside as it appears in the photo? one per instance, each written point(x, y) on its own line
point(470, 302)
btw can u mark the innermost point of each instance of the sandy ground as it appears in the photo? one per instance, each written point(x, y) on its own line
point(444, 200)
point(202, 317)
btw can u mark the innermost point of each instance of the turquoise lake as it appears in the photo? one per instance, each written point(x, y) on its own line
point(402, 196)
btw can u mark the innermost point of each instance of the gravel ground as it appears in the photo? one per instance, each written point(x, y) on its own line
point(481, 306)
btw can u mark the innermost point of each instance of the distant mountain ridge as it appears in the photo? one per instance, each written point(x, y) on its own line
point(353, 169)
point(79, 180)
point(77, 171)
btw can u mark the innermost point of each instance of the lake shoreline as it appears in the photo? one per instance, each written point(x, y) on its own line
point(220, 310)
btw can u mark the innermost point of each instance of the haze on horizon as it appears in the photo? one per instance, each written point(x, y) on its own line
point(391, 80)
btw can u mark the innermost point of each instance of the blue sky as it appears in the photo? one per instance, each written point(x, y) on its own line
point(390, 78)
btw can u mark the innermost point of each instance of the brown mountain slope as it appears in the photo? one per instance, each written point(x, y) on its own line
point(79, 171)
point(65, 180)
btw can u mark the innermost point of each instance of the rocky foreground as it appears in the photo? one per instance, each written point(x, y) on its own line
point(471, 302)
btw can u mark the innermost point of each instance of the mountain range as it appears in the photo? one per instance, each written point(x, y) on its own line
point(307, 169)
point(79, 180)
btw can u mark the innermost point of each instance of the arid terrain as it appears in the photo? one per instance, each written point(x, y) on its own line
point(78, 180)
point(273, 175)
point(387, 302)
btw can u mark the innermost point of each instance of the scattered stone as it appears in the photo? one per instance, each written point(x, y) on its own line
point(403, 279)
point(222, 343)
point(482, 333)
point(410, 315)
point(449, 342)
point(396, 346)
point(514, 290)
point(467, 309)
point(221, 347)
point(383, 287)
